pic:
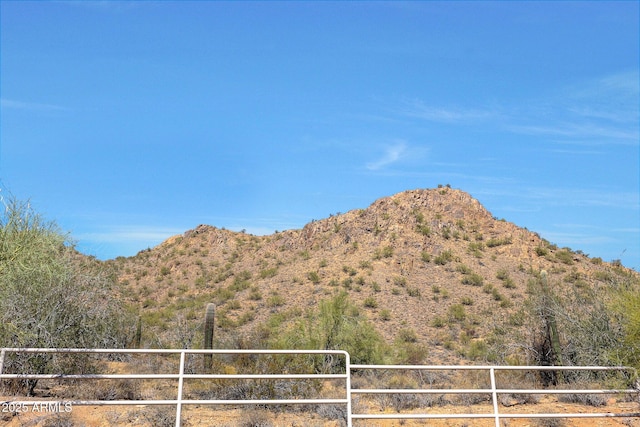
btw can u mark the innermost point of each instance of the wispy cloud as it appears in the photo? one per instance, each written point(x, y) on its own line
point(604, 110)
point(11, 104)
point(392, 154)
point(130, 234)
point(582, 131)
point(601, 111)
point(456, 115)
point(580, 197)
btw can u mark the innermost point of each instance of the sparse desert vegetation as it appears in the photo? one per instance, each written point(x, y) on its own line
point(424, 276)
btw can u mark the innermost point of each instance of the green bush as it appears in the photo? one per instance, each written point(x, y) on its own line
point(49, 297)
point(541, 251)
point(444, 257)
point(466, 301)
point(413, 292)
point(336, 325)
point(370, 302)
point(473, 279)
point(407, 335)
point(564, 257)
point(457, 312)
point(314, 277)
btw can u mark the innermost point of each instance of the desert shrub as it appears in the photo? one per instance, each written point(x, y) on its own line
point(444, 257)
point(60, 420)
point(400, 281)
point(492, 243)
point(411, 353)
point(349, 270)
point(50, 297)
point(403, 401)
point(255, 294)
point(466, 301)
point(160, 416)
point(407, 335)
point(548, 422)
point(112, 390)
point(565, 257)
point(275, 300)
point(365, 265)
point(370, 302)
point(541, 251)
point(477, 349)
point(473, 279)
point(387, 252)
point(457, 312)
point(255, 418)
point(584, 399)
point(438, 322)
point(413, 292)
point(424, 229)
point(509, 283)
point(461, 268)
point(336, 325)
point(269, 272)
point(476, 248)
point(314, 277)
point(332, 412)
point(502, 274)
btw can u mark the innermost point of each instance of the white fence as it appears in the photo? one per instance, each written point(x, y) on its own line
point(347, 369)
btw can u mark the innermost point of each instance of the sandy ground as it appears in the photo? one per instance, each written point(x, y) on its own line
point(141, 415)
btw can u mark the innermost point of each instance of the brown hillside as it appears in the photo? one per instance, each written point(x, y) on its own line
point(405, 261)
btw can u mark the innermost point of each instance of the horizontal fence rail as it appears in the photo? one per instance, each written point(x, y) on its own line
point(493, 391)
point(346, 374)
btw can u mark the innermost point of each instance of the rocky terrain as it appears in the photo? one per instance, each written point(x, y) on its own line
point(429, 266)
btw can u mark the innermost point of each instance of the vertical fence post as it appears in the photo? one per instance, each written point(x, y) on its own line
point(494, 395)
point(348, 385)
point(180, 385)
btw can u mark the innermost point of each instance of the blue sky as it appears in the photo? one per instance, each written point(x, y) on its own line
point(129, 122)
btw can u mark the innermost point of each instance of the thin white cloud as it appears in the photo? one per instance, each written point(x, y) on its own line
point(582, 131)
point(601, 111)
point(11, 104)
point(392, 154)
point(418, 109)
point(605, 110)
point(129, 234)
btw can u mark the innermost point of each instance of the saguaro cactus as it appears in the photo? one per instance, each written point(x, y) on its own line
point(209, 318)
point(551, 325)
point(137, 340)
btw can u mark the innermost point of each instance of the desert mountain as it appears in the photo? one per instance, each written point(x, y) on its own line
point(428, 266)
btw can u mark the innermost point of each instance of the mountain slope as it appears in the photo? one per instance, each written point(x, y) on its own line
point(432, 266)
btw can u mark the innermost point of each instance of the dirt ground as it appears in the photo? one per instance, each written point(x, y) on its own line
point(196, 415)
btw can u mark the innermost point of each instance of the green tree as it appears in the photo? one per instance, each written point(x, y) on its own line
point(584, 325)
point(337, 325)
point(626, 305)
point(50, 296)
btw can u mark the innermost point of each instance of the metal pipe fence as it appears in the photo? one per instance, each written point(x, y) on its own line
point(494, 391)
point(345, 375)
